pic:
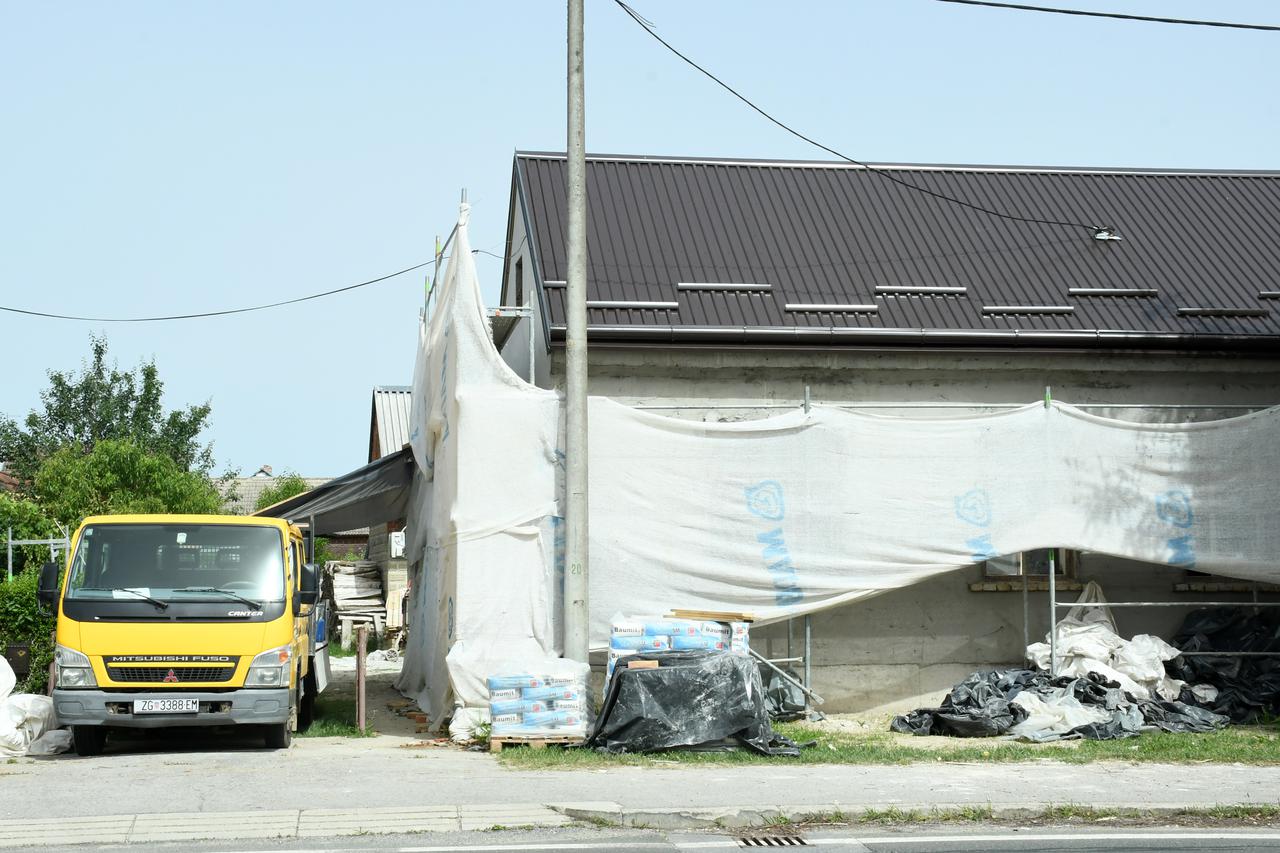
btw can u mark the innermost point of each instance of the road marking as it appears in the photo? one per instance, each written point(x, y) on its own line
point(1064, 836)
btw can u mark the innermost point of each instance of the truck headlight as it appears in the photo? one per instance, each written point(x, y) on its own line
point(270, 669)
point(71, 669)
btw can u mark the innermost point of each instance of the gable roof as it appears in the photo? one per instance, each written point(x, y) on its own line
point(821, 253)
point(249, 489)
point(389, 420)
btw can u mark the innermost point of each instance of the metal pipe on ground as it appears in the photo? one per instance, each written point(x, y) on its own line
point(764, 660)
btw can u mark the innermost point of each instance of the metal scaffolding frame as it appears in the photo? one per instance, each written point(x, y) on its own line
point(1055, 606)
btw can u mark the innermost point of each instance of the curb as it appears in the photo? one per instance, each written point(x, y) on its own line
point(745, 817)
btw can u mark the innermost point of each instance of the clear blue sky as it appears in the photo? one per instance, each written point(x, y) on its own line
point(161, 157)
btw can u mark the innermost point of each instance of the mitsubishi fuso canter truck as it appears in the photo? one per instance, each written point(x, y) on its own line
point(185, 620)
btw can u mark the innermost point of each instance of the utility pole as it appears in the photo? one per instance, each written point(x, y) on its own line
point(576, 613)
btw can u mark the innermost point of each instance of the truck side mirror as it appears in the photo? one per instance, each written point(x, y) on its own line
point(47, 589)
point(309, 586)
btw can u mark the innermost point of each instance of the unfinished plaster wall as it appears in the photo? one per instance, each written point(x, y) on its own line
point(906, 648)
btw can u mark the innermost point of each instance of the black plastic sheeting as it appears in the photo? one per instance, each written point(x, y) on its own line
point(1248, 687)
point(982, 706)
point(693, 698)
point(782, 698)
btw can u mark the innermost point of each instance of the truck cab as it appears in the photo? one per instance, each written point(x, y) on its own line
point(185, 620)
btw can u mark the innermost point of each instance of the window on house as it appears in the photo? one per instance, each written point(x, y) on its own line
point(1032, 564)
point(519, 283)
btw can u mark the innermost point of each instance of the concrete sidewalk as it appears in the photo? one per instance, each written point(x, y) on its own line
point(319, 789)
point(287, 823)
point(216, 776)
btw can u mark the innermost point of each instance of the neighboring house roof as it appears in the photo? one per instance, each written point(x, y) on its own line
point(389, 420)
point(836, 254)
point(249, 489)
point(8, 482)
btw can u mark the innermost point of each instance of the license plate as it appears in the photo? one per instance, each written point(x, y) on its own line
point(166, 706)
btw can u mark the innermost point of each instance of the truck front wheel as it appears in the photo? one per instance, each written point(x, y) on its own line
point(88, 740)
point(279, 735)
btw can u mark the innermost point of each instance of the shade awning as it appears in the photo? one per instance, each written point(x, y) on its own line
point(375, 494)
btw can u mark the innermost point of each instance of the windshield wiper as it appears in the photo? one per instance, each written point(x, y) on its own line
point(157, 602)
point(256, 605)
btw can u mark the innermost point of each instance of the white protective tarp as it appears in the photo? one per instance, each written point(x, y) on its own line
point(481, 529)
point(779, 516)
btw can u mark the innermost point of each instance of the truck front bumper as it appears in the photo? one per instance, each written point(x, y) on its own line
point(232, 707)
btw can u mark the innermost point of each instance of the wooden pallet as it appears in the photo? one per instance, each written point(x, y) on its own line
point(496, 744)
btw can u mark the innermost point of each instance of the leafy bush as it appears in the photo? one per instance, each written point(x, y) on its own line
point(28, 521)
point(22, 621)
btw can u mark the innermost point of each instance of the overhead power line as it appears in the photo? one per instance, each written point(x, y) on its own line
point(1116, 15)
point(217, 313)
point(648, 27)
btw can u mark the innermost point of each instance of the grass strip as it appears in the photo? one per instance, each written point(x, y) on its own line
point(335, 717)
point(1255, 745)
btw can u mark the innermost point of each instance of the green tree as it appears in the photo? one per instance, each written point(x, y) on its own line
point(120, 477)
point(100, 403)
point(285, 487)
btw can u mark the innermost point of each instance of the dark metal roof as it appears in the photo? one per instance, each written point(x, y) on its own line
point(842, 256)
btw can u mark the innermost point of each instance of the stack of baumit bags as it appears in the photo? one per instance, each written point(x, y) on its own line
point(548, 703)
point(633, 634)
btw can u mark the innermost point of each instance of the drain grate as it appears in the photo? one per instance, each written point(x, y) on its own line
point(772, 841)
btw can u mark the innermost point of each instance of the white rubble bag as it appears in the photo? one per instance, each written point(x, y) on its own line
point(1087, 642)
point(23, 716)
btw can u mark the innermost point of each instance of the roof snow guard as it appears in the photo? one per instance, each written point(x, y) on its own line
point(741, 252)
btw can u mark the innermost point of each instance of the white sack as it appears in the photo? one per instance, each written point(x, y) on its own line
point(53, 742)
point(7, 678)
point(23, 716)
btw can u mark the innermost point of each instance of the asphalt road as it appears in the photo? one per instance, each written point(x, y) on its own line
point(861, 840)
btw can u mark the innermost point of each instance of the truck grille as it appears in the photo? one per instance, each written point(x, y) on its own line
point(161, 674)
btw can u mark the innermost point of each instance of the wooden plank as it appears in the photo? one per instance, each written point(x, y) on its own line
point(713, 615)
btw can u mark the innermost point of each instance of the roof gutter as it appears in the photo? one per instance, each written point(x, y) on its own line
point(845, 336)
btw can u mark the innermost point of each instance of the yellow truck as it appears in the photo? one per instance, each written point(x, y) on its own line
point(185, 620)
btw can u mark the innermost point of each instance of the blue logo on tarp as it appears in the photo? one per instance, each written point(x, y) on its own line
point(764, 500)
point(1174, 508)
point(974, 507)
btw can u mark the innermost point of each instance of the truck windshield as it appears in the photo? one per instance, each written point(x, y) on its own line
point(178, 562)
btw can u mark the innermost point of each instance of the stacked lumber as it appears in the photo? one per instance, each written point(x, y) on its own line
point(355, 589)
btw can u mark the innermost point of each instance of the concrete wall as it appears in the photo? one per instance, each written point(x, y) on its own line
point(908, 647)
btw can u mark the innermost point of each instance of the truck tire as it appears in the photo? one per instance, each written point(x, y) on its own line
point(88, 740)
point(278, 735)
point(306, 703)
